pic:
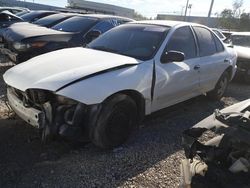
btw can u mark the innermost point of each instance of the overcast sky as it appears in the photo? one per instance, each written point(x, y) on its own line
point(151, 8)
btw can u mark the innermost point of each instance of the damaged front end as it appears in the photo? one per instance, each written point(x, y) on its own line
point(52, 114)
point(217, 149)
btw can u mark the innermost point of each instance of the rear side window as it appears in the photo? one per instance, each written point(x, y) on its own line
point(219, 46)
point(206, 41)
point(183, 40)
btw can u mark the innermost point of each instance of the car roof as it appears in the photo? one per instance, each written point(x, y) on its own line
point(167, 23)
point(14, 8)
point(103, 16)
point(60, 14)
point(42, 11)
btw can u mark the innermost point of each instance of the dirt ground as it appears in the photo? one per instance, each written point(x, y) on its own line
point(150, 158)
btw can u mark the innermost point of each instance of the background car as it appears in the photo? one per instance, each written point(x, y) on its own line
point(24, 42)
point(7, 18)
point(241, 43)
point(15, 10)
point(103, 91)
point(219, 34)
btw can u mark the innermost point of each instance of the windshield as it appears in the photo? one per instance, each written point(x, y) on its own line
point(76, 24)
point(241, 40)
point(134, 40)
point(48, 20)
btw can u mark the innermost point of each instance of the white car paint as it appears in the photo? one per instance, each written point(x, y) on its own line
point(175, 82)
point(55, 69)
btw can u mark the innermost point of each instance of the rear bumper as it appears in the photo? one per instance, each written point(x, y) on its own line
point(31, 115)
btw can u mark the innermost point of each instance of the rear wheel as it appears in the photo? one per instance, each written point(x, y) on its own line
point(220, 88)
point(115, 122)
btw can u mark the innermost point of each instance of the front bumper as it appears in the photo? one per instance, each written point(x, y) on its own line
point(31, 115)
point(12, 56)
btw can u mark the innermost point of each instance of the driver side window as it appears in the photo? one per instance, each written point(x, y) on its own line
point(182, 40)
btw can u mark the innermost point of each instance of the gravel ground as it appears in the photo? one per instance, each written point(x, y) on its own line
point(150, 158)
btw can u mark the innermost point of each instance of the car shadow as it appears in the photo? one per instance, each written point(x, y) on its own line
point(156, 145)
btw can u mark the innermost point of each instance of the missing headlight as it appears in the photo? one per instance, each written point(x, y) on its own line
point(38, 96)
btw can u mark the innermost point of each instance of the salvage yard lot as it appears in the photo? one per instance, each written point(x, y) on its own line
point(150, 158)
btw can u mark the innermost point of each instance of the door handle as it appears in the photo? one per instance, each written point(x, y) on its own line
point(226, 61)
point(196, 67)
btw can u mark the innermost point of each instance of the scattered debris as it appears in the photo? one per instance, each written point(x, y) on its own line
point(228, 149)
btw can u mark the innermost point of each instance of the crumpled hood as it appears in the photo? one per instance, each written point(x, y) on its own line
point(19, 31)
point(54, 70)
point(242, 52)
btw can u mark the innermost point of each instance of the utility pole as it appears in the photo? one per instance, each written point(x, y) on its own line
point(186, 10)
point(209, 13)
point(211, 8)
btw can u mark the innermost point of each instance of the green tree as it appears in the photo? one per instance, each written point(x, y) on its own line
point(227, 13)
point(227, 19)
point(235, 18)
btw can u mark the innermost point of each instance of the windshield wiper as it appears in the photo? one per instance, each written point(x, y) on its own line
point(104, 48)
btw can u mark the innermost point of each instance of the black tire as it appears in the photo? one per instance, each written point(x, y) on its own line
point(115, 122)
point(220, 88)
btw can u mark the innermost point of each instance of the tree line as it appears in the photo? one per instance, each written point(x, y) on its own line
point(235, 18)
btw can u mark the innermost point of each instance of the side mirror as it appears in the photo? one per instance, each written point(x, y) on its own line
point(92, 35)
point(172, 56)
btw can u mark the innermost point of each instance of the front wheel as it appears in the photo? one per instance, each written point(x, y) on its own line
point(115, 122)
point(220, 88)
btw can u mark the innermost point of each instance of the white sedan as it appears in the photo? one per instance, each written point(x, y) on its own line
point(103, 91)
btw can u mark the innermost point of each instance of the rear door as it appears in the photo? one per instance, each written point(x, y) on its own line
point(213, 61)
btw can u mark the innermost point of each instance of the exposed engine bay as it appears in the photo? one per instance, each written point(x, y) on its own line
point(217, 149)
point(52, 114)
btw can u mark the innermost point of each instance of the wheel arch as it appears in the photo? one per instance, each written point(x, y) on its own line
point(137, 97)
point(229, 70)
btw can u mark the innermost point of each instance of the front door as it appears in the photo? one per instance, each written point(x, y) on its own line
point(177, 81)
